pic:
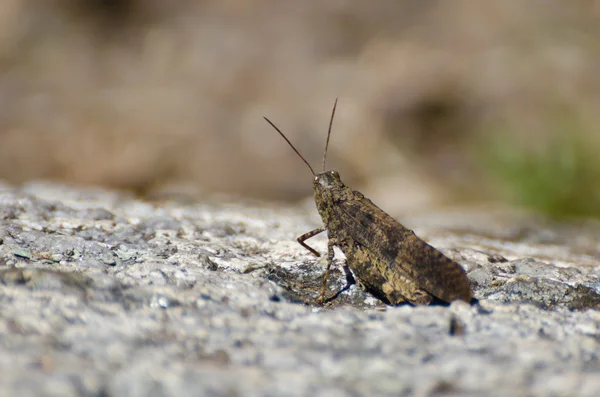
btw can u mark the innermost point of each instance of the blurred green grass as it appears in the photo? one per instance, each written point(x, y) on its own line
point(558, 176)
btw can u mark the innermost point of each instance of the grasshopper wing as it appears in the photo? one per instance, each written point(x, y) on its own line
point(367, 225)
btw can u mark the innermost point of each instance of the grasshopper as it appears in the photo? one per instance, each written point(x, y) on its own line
point(387, 259)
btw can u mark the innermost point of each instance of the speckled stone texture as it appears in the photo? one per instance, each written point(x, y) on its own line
point(105, 295)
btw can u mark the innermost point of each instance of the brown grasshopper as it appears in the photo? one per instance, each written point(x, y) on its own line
point(388, 259)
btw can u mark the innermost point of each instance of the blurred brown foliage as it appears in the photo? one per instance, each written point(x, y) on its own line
point(141, 94)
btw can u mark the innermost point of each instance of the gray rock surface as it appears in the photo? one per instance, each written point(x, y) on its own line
point(105, 295)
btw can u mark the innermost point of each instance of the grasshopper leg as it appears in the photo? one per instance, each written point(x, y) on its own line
point(308, 235)
point(330, 245)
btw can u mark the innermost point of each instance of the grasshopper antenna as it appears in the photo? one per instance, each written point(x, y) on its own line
point(329, 133)
point(290, 143)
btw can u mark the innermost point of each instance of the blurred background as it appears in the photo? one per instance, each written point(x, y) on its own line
point(439, 102)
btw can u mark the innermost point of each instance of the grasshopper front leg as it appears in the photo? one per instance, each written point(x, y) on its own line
point(308, 235)
point(330, 245)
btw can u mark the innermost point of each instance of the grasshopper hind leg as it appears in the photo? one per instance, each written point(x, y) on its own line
point(406, 293)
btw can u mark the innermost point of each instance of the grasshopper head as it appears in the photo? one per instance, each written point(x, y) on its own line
point(328, 189)
point(327, 180)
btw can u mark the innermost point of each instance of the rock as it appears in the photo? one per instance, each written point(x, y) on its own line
point(101, 294)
